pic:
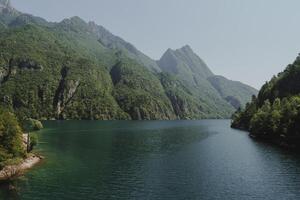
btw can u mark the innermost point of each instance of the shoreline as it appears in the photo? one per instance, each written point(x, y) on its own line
point(280, 142)
point(13, 171)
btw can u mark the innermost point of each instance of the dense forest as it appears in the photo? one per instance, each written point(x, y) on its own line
point(14, 144)
point(11, 142)
point(78, 70)
point(275, 113)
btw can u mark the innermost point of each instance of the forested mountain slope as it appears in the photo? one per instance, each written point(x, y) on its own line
point(275, 113)
point(79, 70)
point(217, 95)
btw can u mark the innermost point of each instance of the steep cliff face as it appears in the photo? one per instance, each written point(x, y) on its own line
point(5, 4)
point(215, 93)
point(185, 64)
point(37, 85)
point(6, 71)
point(139, 92)
point(193, 73)
point(184, 103)
point(64, 93)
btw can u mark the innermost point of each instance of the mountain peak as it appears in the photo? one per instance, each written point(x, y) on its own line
point(186, 50)
point(77, 19)
point(7, 11)
point(186, 47)
point(183, 60)
point(169, 51)
point(5, 3)
point(75, 23)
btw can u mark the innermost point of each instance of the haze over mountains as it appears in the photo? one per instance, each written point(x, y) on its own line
point(79, 70)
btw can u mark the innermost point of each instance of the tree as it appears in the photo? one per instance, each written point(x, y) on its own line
point(11, 143)
point(261, 124)
point(31, 125)
point(241, 118)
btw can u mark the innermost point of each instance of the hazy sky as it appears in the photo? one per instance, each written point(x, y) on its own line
point(245, 40)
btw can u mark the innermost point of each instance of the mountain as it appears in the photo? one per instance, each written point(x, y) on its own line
point(5, 6)
point(79, 70)
point(114, 42)
point(7, 12)
point(218, 94)
point(139, 92)
point(184, 62)
point(234, 92)
point(275, 113)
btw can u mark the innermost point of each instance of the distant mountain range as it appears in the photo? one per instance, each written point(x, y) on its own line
point(79, 70)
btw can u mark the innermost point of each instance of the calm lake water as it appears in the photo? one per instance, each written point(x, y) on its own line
point(156, 160)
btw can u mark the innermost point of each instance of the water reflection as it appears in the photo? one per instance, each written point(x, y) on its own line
point(156, 160)
point(10, 190)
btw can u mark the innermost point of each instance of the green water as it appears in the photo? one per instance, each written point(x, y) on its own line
point(156, 160)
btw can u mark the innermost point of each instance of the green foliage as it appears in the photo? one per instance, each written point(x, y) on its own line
point(275, 114)
point(4, 155)
point(185, 105)
point(30, 125)
point(277, 120)
point(11, 144)
point(33, 140)
point(37, 88)
point(79, 70)
point(217, 97)
point(139, 92)
point(262, 123)
point(241, 118)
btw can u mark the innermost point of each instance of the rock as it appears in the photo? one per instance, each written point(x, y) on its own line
point(12, 171)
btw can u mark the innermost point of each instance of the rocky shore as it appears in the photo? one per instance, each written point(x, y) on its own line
point(12, 171)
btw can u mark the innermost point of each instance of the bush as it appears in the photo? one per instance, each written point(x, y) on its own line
point(37, 125)
point(30, 125)
point(33, 140)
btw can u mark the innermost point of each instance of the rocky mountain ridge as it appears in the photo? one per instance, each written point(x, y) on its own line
point(79, 70)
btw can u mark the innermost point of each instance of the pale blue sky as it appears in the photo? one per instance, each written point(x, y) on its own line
point(245, 40)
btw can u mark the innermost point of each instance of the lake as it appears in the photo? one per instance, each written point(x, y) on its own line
point(160, 160)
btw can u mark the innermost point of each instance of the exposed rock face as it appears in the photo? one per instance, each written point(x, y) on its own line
point(3, 75)
point(184, 61)
point(7, 9)
point(104, 77)
point(195, 75)
point(14, 65)
point(180, 105)
point(6, 72)
point(139, 93)
point(5, 3)
point(12, 171)
point(192, 73)
point(64, 92)
point(29, 64)
point(7, 13)
point(184, 104)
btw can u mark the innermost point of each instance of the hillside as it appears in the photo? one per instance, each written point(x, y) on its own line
point(217, 94)
point(275, 113)
point(79, 70)
point(234, 92)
